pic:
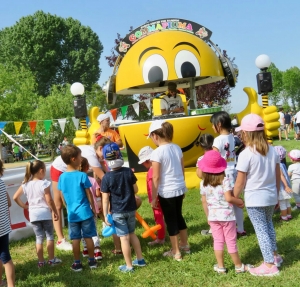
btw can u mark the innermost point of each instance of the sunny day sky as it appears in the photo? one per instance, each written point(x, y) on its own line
point(245, 29)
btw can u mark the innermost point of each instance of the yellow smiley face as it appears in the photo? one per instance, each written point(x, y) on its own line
point(167, 56)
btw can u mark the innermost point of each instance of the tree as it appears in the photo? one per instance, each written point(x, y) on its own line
point(56, 50)
point(291, 84)
point(276, 95)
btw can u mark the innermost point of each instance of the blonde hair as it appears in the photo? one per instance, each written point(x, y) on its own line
point(102, 142)
point(32, 168)
point(165, 132)
point(257, 141)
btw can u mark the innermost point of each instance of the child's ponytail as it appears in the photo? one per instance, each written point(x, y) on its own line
point(32, 168)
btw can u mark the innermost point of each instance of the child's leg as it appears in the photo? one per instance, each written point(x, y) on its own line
point(159, 219)
point(117, 243)
point(6, 260)
point(296, 191)
point(48, 227)
point(283, 209)
point(289, 209)
point(219, 240)
point(261, 218)
point(88, 228)
point(239, 215)
point(76, 249)
point(40, 234)
point(125, 245)
point(96, 239)
point(136, 246)
point(90, 246)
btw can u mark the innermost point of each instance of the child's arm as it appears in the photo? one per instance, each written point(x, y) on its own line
point(239, 183)
point(17, 198)
point(233, 200)
point(90, 198)
point(204, 204)
point(199, 173)
point(155, 182)
point(98, 193)
point(285, 184)
point(8, 200)
point(135, 188)
point(277, 172)
point(50, 203)
point(290, 174)
point(182, 167)
point(105, 202)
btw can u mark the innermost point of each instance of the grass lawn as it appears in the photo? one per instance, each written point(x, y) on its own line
point(194, 270)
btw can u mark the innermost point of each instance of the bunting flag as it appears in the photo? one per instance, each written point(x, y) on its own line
point(124, 111)
point(62, 124)
point(148, 104)
point(114, 113)
point(18, 127)
point(32, 125)
point(47, 125)
point(136, 107)
point(75, 122)
point(2, 125)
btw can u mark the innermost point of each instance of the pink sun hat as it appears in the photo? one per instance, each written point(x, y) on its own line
point(251, 123)
point(294, 155)
point(212, 162)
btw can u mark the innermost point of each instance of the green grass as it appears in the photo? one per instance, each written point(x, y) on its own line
point(194, 270)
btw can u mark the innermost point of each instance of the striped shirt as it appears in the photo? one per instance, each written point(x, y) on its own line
point(4, 212)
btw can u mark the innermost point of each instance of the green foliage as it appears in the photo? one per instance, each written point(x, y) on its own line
point(56, 50)
point(275, 96)
point(291, 82)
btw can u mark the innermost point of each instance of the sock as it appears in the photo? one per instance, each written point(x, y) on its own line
point(77, 261)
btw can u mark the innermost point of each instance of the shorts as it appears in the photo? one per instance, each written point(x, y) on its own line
point(124, 223)
point(85, 229)
point(41, 228)
point(282, 128)
point(4, 249)
point(55, 174)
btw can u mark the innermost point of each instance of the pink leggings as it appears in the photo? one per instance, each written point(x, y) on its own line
point(159, 219)
point(224, 231)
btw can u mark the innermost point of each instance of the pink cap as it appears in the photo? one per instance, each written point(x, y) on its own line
point(294, 155)
point(212, 162)
point(251, 123)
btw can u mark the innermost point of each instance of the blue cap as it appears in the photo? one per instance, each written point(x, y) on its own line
point(112, 155)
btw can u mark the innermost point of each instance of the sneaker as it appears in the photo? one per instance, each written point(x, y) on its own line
point(263, 270)
point(76, 267)
point(241, 234)
point(220, 270)
point(125, 269)
point(41, 264)
point(85, 252)
point(64, 245)
point(156, 242)
point(98, 254)
point(140, 263)
point(287, 139)
point(117, 252)
point(206, 232)
point(278, 260)
point(93, 264)
point(170, 253)
point(54, 261)
point(185, 248)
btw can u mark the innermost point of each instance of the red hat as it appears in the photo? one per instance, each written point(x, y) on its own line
point(212, 162)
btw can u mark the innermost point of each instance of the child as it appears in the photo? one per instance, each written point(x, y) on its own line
point(285, 186)
point(225, 145)
point(294, 174)
point(259, 175)
point(5, 229)
point(41, 207)
point(168, 185)
point(95, 190)
point(144, 157)
point(75, 188)
point(118, 188)
point(206, 142)
point(218, 202)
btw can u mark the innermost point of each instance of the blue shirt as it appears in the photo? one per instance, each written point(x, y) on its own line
point(119, 183)
point(72, 185)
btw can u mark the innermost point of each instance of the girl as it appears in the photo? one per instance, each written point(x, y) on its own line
point(206, 142)
point(294, 174)
point(168, 185)
point(285, 186)
point(218, 202)
point(225, 145)
point(5, 229)
point(259, 175)
point(144, 159)
point(95, 190)
point(41, 207)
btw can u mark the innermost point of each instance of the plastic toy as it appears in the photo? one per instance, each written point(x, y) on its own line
point(149, 230)
point(109, 230)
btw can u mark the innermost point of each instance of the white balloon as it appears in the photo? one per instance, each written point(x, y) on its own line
point(77, 89)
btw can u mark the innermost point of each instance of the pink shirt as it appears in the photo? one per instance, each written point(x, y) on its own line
point(93, 189)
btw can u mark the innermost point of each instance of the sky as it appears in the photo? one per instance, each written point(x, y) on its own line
point(244, 28)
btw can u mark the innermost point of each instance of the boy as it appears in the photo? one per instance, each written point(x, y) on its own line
point(74, 186)
point(118, 188)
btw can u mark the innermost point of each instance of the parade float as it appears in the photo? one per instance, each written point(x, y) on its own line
point(180, 51)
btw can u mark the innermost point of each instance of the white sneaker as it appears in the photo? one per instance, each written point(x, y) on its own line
point(64, 245)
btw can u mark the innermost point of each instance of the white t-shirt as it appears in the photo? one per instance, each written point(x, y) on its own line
point(35, 193)
point(260, 189)
point(87, 151)
point(297, 116)
point(218, 208)
point(225, 145)
point(294, 169)
point(171, 103)
point(281, 118)
point(172, 182)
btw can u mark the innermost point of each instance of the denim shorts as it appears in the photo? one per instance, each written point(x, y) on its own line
point(85, 229)
point(41, 228)
point(124, 223)
point(4, 249)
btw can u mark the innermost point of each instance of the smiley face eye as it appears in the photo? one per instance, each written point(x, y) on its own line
point(155, 69)
point(186, 64)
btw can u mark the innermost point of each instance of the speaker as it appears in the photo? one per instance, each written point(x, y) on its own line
point(264, 82)
point(80, 110)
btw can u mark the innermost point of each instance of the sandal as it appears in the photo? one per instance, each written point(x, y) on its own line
point(185, 248)
point(117, 252)
point(156, 242)
point(206, 232)
point(219, 270)
point(244, 268)
point(176, 256)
